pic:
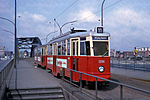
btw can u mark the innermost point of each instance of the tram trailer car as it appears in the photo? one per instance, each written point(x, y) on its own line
point(83, 51)
point(40, 57)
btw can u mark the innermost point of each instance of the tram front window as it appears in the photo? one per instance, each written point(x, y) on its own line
point(100, 48)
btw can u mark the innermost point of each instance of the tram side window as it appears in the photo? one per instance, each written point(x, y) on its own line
point(44, 50)
point(68, 47)
point(100, 48)
point(84, 48)
point(88, 48)
point(39, 51)
point(35, 51)
point(48, 50)
point(51, 49)
point(64, 48)
point(59, 48)
point(55, 49)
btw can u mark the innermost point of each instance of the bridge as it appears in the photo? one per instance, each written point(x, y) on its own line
point(28, 82)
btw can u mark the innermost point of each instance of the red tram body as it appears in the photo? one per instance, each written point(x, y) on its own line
point(83, 51)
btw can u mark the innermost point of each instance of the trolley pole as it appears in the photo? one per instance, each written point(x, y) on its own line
point(102, 13)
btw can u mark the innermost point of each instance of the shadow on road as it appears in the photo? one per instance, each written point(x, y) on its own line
point(108, 87)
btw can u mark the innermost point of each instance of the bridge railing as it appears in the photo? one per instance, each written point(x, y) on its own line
point(110, 81)
point(3, 77)
point(131, 64)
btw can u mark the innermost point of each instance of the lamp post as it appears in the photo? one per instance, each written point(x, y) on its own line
point(102, 12)
point(15, 29)
point(60, 27)
point(15, 34)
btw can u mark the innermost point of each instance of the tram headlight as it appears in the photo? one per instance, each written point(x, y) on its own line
point(101, 69)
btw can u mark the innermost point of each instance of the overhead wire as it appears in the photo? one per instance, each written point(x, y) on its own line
point(105, 8)
point(67, 8)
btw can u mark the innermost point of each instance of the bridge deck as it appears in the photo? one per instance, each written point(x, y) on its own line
point(30, 77)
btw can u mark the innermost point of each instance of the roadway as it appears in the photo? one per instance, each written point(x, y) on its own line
point(3, 63)
point(29, 76)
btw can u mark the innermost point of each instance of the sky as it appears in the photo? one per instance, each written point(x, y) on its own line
point(127, 21)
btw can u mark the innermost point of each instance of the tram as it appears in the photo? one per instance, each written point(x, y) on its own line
point(80, 50)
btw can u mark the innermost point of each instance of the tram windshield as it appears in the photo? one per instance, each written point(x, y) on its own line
point(100, 48)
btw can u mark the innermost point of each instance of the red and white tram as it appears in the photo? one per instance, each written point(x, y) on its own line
point(83, 51)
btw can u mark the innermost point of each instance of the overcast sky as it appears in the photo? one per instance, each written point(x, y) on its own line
point(128, 21)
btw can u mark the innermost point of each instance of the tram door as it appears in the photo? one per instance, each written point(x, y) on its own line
point(75, 59)
point(54, 56)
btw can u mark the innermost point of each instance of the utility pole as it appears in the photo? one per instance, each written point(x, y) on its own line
point(102, 13)
point(15, 37)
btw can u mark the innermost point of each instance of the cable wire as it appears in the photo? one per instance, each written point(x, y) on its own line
point(67, 8)
point(105, 8)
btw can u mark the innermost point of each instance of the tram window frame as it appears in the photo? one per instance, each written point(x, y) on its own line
point(64, 47)
point(85, 48)
point(55, 48)
point(35, 51)
point(51, 49)
point(59, 48)
point(88, 53)
point(44, 50)
point(68, 47)
point(48, 50)
point(82, 48)
point(40, 51)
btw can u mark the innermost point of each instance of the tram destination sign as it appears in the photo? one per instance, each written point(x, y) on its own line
point(100, 38)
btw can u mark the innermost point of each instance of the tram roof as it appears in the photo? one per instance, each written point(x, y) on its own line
point(71, 34)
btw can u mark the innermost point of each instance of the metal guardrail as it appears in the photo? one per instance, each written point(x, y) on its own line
point(3, 77)
point(96, 84)
point(131, 64)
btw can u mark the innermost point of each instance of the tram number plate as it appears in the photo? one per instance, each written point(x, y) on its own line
point(101, 61)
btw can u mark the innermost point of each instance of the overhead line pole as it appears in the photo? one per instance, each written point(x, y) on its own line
point(15, 37)
point(102, 12)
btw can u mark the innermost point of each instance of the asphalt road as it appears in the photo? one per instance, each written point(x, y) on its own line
point(3, 63)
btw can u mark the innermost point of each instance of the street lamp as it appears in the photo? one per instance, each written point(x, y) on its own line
point(60, 27)
point(15, 29)
point(102, 12)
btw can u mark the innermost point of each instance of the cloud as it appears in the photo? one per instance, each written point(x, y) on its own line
point(34, 17)
point(4, 6)
point(128, 28)
point(34, 25)
point(86, 16)
point(38, 17)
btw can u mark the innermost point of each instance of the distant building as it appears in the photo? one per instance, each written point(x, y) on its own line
point(113, 53)
point(144, 49)
point(128, 54)
point(2, 51)
point(143, 52)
